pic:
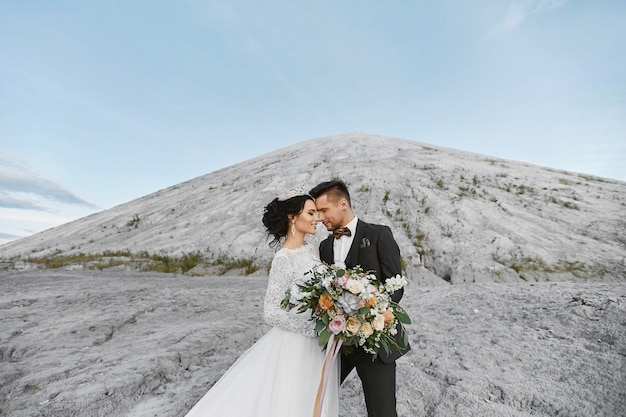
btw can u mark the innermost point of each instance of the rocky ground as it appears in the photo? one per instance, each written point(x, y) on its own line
point(122, 343)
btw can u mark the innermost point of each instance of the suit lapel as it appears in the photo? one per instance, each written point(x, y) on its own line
point(352, 259)
point(326, 250)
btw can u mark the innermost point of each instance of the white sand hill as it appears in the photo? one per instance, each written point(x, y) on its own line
point(517, 287)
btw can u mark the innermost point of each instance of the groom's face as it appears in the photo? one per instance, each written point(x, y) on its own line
point(331, 213)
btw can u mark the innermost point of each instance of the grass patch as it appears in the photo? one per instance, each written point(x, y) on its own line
point(418, 241)
point(588, 178)
point(144, 261)
point(523, 263)
point(59, 261)
point(170, 264)
point(134, 222)
point(566, 204)
point(227, 263)
point(517, 189)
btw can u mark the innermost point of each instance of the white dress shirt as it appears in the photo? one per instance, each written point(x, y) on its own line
point(341, 246)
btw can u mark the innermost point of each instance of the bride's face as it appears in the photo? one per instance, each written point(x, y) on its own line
point(306, 221)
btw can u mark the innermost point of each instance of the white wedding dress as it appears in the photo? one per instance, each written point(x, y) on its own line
point(279, 375)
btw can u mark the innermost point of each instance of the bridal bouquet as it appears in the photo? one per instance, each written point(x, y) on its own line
point(351, 306)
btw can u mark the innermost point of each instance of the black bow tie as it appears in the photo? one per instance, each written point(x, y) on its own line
point(341, 232)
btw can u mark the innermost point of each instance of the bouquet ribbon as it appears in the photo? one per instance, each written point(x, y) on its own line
point(332, 349)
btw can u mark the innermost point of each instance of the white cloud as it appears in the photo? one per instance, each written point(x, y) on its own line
point(18, 182)
point(30, 203)
point(20, 222)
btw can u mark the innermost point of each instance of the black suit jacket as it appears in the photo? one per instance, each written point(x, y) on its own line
point(375, 250)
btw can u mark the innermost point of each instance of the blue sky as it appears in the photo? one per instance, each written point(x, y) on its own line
point(102, 102)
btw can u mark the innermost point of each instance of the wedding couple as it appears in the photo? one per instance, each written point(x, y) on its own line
point(279, 375)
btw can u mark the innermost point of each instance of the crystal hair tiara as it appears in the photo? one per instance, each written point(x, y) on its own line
point(292, 192)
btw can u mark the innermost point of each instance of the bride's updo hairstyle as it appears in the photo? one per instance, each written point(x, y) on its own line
point(275, 217)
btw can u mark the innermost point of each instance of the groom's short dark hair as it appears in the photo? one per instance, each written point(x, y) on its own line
point(336, 189)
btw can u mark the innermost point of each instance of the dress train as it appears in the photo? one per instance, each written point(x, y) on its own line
point(277, 377)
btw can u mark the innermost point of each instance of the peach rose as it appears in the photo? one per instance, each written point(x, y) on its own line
point(352, 326)
point(388, 315)
point(370, 302)
point(366, 330)
point(325, 302)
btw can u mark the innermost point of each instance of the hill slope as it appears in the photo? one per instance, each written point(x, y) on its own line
point(464, 217)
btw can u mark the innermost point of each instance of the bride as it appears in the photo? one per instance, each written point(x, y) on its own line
point(279, 375)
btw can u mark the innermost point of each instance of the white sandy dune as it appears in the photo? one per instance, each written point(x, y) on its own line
point(465, 217)
point(121, 343)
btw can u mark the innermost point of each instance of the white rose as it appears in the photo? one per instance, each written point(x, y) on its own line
point(355, 286)
point(379, 322)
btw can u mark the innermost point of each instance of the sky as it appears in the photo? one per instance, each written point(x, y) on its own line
point(105, 102)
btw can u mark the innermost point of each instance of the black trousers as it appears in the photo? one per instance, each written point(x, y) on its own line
point(378, 380)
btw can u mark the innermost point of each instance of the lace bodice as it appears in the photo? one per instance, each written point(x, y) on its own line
point(288, 267)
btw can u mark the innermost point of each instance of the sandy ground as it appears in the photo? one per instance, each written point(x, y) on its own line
point(120, 343)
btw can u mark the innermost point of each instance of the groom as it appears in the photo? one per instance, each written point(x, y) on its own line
point(373, 247)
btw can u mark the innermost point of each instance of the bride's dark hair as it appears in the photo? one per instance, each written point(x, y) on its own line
point(275, 217)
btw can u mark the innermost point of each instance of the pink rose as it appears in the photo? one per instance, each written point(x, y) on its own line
point(337, 324)
point(342, 281)
point(372, 289)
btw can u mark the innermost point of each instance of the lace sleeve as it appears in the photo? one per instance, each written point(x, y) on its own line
point(280, 279)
